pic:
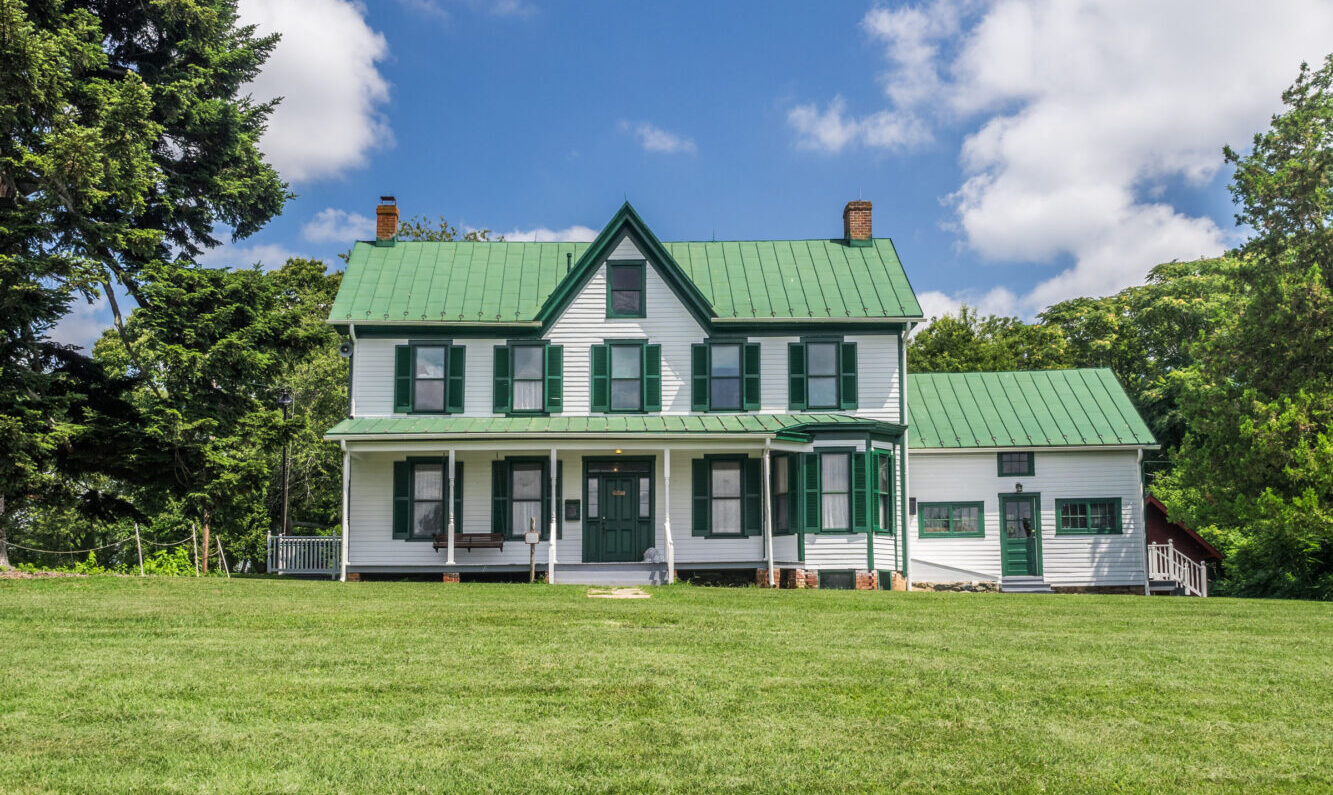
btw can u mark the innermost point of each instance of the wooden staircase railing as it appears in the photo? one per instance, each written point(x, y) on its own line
point(1165, 562)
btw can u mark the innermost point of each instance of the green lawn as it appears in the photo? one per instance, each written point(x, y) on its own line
point(267, 685)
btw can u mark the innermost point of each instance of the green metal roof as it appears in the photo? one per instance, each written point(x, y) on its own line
point(1047, 408)
point(458, 282)
point(785, 424)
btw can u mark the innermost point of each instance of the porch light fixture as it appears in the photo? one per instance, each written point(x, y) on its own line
point(617, 451)
point(1018, 488)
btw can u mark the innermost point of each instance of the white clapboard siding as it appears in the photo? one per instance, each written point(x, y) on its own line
point(1066, 560)
point(835, 551)
point(668, 323)
point(372, 376)
point(696, 549)
point(886, 553)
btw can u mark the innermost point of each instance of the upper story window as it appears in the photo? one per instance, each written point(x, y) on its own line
point(822, 375)
point(625, 293)
point(428, 378)
point(528, 378)
point(725, 376)
point(1016, 465)
point(626, 377)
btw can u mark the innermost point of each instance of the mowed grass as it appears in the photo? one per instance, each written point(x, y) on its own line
point(261, 685)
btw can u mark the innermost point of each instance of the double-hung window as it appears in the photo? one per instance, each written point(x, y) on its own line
point(1016, 464)
point(625, 289)
point(726, 498)
point(1099, 516)
point(822, 374)
point(521, 496)
point(626, 377)
point(781, 487)
point(525, 503)
point(883, 475)
point(421, 492)
point(950, 520)
point(428, 378)
point(835, 479)
point(725, 376)
point(529, 378)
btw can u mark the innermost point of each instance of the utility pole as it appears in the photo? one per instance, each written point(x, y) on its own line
point(285, 400)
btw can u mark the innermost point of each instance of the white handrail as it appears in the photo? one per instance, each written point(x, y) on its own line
point(304, 554)
point(1165, 562)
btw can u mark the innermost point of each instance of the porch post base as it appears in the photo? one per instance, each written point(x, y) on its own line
point(354, 576)
point(798, 578)
point(449, 576)
point(761, 578)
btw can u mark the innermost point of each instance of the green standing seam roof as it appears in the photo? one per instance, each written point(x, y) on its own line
point(462, 282)
point(606, 424)
point(1045, 408)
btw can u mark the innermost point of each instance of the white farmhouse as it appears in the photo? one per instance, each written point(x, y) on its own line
point(644, 409)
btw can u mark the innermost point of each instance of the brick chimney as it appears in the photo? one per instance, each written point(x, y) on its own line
point(386, 221)
point(856, 223)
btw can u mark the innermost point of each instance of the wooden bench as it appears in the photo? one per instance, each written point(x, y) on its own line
point(471, 541)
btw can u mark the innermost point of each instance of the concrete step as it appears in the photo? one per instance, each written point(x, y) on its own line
point(611, 574)
point(1024, 584)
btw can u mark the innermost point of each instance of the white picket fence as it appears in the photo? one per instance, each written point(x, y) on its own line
point(304, 554)
point(1165, 562)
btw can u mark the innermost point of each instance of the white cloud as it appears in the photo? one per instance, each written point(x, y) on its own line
point(84, 323)
point(326, 70)
point(570, 234)
point(268, 255)
point(332, 225)
point(655, 139)
point(1082, 112)
point(832, 130)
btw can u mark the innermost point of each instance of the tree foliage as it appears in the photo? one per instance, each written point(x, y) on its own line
point(968, 342)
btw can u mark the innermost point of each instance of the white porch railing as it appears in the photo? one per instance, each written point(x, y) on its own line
point(1165, 562)
point(304, 554)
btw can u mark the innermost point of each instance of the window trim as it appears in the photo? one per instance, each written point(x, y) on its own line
point(980, 532)
point(611, 379)
point(741, 458)
point(1031, 470)
point(843, 377)
point(739, 345)
point(544, 529)
point(1118, 513)
point(739, 461)
point(642, 266)
point(874, 456)
point(543, 346)
point(776, 497)
point(414, 346)
point(837, 373)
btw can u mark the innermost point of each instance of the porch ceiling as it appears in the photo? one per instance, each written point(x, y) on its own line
point(797, 427)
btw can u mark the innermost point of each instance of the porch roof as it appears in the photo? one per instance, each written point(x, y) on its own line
point(795, 427)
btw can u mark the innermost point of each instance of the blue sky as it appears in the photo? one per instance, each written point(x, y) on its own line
point(1017, 152)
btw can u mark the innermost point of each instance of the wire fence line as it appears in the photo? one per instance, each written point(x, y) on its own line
point(93, 549)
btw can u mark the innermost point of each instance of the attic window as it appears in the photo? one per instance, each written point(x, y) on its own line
point(625, 291)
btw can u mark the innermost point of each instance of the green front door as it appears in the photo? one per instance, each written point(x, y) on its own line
point(1020, 534)
point(620, 518)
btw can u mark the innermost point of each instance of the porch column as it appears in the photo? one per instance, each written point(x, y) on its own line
point(347, 482)
point(555, 506)
point(449, 511)
point(666, 515)
point(767, 512)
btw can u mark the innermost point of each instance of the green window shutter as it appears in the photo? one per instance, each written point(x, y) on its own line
point(457, 367)
point(876, 521)
point(555, 378)
point(699, 377)
point(700, 519)
point(796, 376)
point(810, 491)
point(458, 496)
point(860, 500)
point(402, 379)
point(500, 497)
point(402, 499)
point(652, 378)
point(601, 378)
point(847, 369)
point(752, 496)
point(750, 370)
point(502, 381)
